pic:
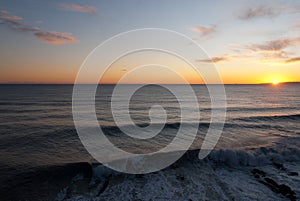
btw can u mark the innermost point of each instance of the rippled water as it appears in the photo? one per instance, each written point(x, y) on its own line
point(38, 135)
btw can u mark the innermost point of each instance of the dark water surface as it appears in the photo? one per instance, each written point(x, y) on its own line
point(40, 150)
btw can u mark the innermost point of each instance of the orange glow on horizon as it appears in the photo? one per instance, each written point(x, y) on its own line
point(229, 75)
point(275, 82)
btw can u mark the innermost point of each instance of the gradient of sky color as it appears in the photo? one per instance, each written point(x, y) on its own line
point(249, 41)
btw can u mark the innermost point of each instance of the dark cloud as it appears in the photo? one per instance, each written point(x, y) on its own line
point(215, 59)
point(275, 45)
point(267, 11)
point(262, 11)
point(293, 60)
point(274, 50)
point(56, 38)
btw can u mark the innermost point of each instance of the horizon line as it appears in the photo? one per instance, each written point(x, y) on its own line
point(51, 83)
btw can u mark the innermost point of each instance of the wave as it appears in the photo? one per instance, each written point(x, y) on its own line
point(216, 171)
point(202, 126)
point(250, 109)
point(271, 118)
point(253, 157)
point(38, 103)
point(258, 157)
point(34, 184)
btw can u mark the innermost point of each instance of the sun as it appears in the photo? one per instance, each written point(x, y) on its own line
point(275, 82)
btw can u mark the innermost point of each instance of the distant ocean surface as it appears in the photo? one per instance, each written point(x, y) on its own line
point(41, 154)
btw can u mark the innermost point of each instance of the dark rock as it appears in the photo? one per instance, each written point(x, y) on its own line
point(258, 172)
point(279, 166)
point(282, 189)
point(293, 174)
point(271, 182)
point(273, 185)
point(287, 191)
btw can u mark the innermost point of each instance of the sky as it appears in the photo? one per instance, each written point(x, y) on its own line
point(248, 41)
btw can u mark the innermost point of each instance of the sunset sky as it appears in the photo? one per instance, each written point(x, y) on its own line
point(249, 41)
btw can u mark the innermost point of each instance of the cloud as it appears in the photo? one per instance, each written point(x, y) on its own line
point(78, 8)
point(215, 59)
point(268, 51)
point(11, 17)
point(15, 23)
point(27, 28)
point(56, 38)
point(267, 11)
point(293, 60)
point(5, 15)
point(275, 45)
point(261, 11)
point(204, 31)
point(274, 50)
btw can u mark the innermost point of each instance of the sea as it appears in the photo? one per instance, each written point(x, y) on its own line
point(256, 158)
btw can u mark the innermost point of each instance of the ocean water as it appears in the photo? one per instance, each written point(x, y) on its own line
point(42, 157)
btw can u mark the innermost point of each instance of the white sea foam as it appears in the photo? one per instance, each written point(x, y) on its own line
point(224, 175)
